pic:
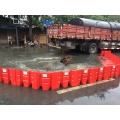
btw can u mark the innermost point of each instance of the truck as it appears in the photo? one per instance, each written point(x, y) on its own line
point(86, 35)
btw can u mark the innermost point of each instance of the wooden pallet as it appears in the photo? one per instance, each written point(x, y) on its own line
point(83, 86)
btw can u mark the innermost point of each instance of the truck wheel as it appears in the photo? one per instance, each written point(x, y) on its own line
point(91, 48)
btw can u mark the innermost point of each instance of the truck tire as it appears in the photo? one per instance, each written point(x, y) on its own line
point(91, 48)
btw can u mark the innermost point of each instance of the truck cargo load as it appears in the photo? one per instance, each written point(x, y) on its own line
point(86, 34)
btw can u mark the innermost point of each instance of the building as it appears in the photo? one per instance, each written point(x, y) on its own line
point(8, 32)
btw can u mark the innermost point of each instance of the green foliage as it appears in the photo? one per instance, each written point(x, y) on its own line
point(97, 17)
point(37, 20)
point(62, 19)
point(114, 18)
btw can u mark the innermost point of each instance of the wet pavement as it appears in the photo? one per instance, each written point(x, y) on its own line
point(103, 94)
point(42, 59)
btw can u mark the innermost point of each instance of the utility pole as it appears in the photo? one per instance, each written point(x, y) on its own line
point(46, 23)
point(17, 36)
point(16, 21)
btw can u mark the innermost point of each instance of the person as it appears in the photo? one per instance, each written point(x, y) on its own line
point(35, 42)
point(65, 60)
point(30, 43)
point(9, 40)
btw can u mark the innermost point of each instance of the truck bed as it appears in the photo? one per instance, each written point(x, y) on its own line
point(81, 32)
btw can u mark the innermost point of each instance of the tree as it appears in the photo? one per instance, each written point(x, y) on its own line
point(37, 21)
point(97, 17)
point(30, 27)
point(31, 21)
point(62, 19)
point(114, 18)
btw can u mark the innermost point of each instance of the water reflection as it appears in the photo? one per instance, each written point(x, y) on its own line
point(93, 94)
point(101, 94)
point(98, 94)
point(36, 59)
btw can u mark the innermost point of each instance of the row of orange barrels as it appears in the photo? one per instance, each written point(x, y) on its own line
point(53, 80)
point(110, 56)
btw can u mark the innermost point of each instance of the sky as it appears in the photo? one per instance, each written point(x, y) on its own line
point(60, 7)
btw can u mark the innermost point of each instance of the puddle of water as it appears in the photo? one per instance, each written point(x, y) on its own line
point(45, 59)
